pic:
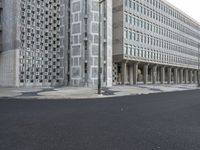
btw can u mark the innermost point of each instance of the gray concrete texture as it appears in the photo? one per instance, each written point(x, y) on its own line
point(90, 93)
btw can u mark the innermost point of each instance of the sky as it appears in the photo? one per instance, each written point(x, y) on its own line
point(190, 7)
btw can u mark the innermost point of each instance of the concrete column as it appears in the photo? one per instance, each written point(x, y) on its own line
point(162, 75)
point(181, 76)
point(124, 72)
point(169, 72)
point(151, 75)
point(178, 76)
point(145, 74)
point(175, 76)
point(191, 77)
point(186, 76)
point(195, 76)
point(154, 74)
point(135, 73)
point(131, 74)
point(159, 74)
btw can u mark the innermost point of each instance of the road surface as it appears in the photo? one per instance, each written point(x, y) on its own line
point(165, 121)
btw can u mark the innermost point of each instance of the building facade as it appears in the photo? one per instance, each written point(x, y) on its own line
point(153, 42)
point(54, 42)
point(31, 53)
point(84, 42)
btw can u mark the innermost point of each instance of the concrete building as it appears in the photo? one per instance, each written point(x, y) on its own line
point(31, 43)
point(54, 42)
point(84, 41)
point(153, 42)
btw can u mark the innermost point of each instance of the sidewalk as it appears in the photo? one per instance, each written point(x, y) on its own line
point(88, 93)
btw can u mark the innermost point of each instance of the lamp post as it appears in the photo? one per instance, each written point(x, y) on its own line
point(198, 72)
point(99, 53)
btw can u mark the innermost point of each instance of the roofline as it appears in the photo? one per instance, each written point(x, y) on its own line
point(181, 11)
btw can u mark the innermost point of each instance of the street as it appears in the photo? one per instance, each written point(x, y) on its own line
point(165, 121)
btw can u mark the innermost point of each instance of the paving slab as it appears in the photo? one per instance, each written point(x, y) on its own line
point(89, 93)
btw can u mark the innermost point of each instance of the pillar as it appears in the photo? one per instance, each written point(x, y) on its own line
point(145, 74)
point(175, 76)
point(131, 74)
point(159, 74)
point(162, 75)
point(135, 73)
point(195, 76)
point(181, 76)
point(151, 75)
point(186, 76)
point(124, 72)
point(191, 77)
point(169, 70)
point(154, 74)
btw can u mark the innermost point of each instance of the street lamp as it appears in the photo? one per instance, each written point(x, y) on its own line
point(198, 73)
point(99, 53)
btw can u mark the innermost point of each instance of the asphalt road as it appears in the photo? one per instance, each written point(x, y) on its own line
point(165, 121)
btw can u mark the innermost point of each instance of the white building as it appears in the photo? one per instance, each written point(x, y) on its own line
point(153, 42)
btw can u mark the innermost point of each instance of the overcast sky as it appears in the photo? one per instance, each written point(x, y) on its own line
point(190, 7)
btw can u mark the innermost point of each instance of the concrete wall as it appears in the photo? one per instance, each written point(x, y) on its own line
point(109, 43)
point(118, 27)
point(9, 55)
point(76, 41)
point(10, 24)
point(85, 56)
point(9, 68)
point(41, 56)
point(64, 36)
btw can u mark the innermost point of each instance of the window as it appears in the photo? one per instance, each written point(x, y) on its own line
point(126, 3)
point(130, 4)
point(131, 50)
point(126, 18)
point(130, 35)
point(126, 33)
point(138, 8)
point(130, 19)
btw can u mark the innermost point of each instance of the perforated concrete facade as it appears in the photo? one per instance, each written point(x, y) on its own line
point(55, 42)
point(41, 60)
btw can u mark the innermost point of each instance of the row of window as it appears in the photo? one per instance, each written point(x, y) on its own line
point(157, 16)
point(154, 28)
point(135, 36)
point(159, 5)
point(157, 56)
